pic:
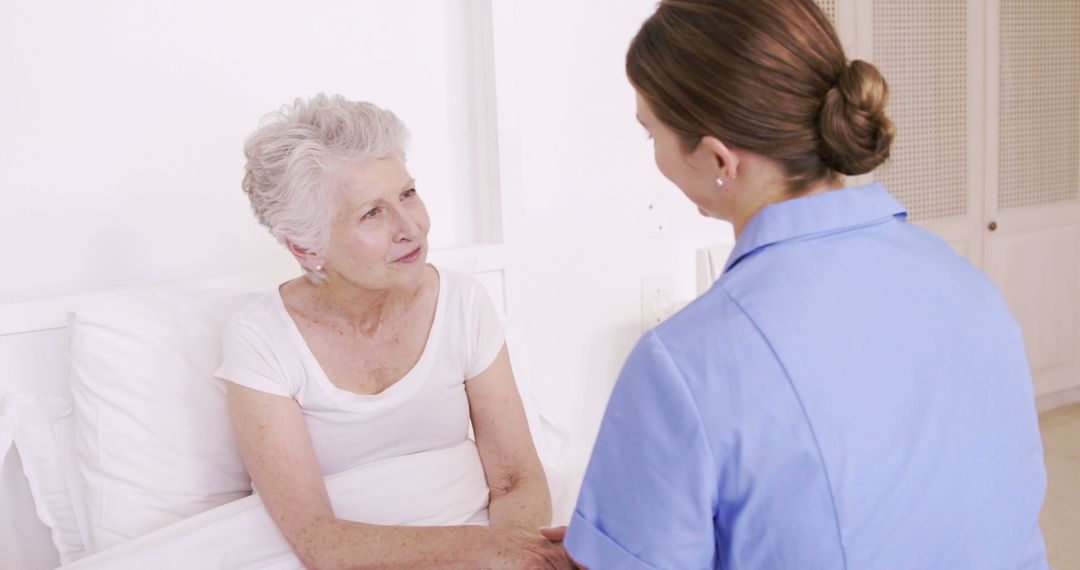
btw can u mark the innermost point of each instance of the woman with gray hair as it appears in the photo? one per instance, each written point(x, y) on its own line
point(373, 356)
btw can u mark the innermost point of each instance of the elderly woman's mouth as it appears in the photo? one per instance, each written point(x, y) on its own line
point(409, 257)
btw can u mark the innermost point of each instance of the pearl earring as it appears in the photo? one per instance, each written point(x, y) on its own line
point(318, 268)
point(720, 182)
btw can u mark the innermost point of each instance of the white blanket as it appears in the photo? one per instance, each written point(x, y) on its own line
point(441, 487)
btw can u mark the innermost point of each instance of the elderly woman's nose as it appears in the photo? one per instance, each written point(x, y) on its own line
point(407, 228)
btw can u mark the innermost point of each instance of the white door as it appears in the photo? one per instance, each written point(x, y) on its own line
point(1032, 231)
point(931, 53)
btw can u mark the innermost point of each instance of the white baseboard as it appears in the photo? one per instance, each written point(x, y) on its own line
point(1047, 402)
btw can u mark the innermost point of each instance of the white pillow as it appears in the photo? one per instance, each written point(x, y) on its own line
point(7, 434)
point(40, 427)
point(152, 434)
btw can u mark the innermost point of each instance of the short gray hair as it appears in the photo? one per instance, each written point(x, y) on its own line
point(290, 152)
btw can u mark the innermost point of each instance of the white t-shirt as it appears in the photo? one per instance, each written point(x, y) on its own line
point(425, 410)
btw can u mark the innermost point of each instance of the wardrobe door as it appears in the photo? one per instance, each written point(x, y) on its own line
point(1032, 225)
point(829, 7)
point(930, 54)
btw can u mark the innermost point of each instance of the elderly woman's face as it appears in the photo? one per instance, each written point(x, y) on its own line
point(379, 238)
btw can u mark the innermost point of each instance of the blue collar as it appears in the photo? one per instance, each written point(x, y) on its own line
point(825, 213)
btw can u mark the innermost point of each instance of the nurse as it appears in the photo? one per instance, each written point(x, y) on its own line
point(850, 393)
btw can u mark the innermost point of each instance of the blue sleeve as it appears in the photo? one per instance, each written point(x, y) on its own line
point(650, 491)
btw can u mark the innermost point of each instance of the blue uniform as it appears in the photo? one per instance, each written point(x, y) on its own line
point(849, 394)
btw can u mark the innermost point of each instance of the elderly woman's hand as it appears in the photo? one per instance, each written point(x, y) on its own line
point(520, 550)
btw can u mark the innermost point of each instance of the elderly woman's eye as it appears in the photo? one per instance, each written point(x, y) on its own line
point(408, 193)
point(370, 214)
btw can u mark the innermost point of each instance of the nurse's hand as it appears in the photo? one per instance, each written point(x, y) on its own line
point(557, 535)
point(554, 534)
point(520, 550)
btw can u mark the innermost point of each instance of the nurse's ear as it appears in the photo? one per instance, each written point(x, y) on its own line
point(717, 159)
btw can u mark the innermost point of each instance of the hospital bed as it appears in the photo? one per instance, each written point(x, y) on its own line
point(115, 449)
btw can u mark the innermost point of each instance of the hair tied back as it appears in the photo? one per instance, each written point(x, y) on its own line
point(855, 133)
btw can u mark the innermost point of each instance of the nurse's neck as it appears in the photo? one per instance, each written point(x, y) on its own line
point(760, 183)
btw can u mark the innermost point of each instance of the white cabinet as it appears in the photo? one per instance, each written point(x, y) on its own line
point(1033, 178)
point(985, 95)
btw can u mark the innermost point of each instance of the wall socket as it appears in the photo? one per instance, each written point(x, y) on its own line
point(657, 299)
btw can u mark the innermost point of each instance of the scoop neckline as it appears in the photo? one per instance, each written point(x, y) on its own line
point(404, 386)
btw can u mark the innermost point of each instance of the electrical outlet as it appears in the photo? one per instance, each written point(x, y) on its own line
point(657, 299)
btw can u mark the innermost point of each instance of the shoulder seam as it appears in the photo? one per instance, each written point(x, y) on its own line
point(694, 405)
point(806, 417)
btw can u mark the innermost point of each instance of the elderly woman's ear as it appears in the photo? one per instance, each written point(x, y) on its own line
point(305, 257)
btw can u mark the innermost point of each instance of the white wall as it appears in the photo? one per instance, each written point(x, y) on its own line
point(578, 177)
point(122, 124)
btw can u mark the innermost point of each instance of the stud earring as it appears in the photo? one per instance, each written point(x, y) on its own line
point(720, 182)
point(318, 268)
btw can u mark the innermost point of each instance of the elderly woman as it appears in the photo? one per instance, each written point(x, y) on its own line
point(374, 355)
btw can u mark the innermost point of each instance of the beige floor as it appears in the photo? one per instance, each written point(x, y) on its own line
point(1061, 512)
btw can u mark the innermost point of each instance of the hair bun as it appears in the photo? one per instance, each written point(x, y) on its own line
point(855, 133)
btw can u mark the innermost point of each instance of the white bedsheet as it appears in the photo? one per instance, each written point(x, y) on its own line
point(441, 487)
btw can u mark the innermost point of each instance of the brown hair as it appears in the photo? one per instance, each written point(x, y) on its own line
point(766, 76)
